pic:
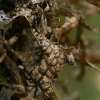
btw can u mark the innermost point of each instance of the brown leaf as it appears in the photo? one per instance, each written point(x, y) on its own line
point(12, 40)
point(70, 49)
point(88, 27)
point(91, 65)
point(80, 57)
point(14, 91)
point(94, 2)
point(14, 86)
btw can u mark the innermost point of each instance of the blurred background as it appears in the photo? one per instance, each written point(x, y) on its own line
point(88, 88)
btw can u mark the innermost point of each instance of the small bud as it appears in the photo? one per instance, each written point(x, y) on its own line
point(71, 59)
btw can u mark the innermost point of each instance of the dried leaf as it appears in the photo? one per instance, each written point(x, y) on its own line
point(80, 57)
point(12, 40)
point(91, 65)
point(85, 25)
point(29, 56)
point(70, 49)
point(69, 11)
point(14, 91)
point(94, 2)
point(14, 86)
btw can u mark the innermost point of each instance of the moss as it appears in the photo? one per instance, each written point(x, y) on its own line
point(3, 77)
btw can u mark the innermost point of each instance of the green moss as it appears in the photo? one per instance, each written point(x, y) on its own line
point(3, 77)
